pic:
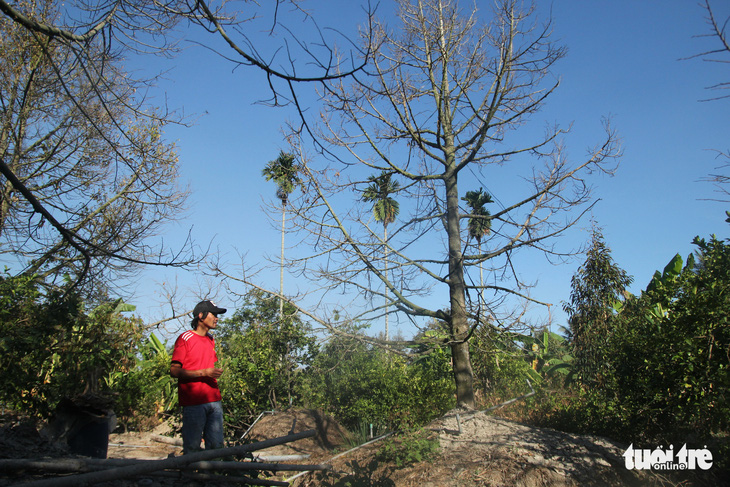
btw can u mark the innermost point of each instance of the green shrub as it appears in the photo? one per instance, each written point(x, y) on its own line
point(56, 348)
point(664, 374)
point(357, 383)
point(146, 391)
point(412, 446)
point(262, 355)
point(668, 373)
point(500, 367)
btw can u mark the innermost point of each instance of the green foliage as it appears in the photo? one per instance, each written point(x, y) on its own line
point(52, 349)
point(146, 390)
point(684, 377)
point(412, 446)
point(100, 343)
point(547, 353)
point(671, 272)
point(385, 207)
point(499, 364)
point(596, 288)
point(479, 222)
point(285, 173)
point(262, 357)
point(576, 410)
point(357, 383)
point(431, 385)
point(666, 367)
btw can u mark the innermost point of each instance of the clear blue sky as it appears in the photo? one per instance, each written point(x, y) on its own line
point(624, 61)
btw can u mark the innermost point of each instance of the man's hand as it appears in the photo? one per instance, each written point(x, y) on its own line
point(213, 372)
point(178, 372)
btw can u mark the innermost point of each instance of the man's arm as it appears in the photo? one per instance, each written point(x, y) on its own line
point(178, 372)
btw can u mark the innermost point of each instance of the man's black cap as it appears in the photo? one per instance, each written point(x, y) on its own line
point(207, 307)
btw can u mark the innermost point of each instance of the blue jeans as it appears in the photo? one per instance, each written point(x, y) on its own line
point(204, 421)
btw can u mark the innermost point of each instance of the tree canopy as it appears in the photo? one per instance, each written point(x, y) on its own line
point(78, 46)
point(444, 97)
point(597, 290)
point(89, 178)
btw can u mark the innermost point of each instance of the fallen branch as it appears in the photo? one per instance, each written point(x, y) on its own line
point(168, 463)
point(256, 421)
point(79, 465)
point(524, 396)
point(343, 454)
point(58, 465)
point(201, 478)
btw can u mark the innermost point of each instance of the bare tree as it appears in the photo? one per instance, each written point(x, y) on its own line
point(156, 28)
point(441, 104)
point(86, 37)
point(717, 32)
point(720, 53)
point(76, 154)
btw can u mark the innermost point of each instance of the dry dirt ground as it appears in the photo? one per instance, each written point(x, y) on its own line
point(476, 449)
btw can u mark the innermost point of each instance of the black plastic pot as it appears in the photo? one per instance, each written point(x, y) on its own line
point(91, 436)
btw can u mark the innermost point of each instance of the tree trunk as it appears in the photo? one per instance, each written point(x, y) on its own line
point(463, 375)
point(459, 324)
point(481, 275)
point(385, 239)
point(281, 264)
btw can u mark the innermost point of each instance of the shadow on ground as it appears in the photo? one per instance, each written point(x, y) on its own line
point(357, 474)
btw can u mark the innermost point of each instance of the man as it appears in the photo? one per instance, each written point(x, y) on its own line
point(193, 364)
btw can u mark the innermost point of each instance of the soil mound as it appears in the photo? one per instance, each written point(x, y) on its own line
point(330, 434)
point(475, 449)
point(20, 438)
point(478, 449)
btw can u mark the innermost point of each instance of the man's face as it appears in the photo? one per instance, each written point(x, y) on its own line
point(210, 320)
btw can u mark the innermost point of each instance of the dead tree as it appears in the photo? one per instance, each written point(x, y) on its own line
point(719, 53)
point(440, 107)
point(80, 41)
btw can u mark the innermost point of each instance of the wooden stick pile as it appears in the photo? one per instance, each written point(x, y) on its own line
point(187, 467)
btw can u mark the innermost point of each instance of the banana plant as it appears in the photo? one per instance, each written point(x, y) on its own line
point(670, 273)
point(156, 357)
point(664, 280)
point(547, 353)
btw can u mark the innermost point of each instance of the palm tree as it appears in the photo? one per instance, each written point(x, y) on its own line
point(285, 173)
point(479, 224)
point(385, 210)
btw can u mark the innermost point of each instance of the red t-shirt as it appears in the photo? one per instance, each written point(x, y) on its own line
point(195, 352)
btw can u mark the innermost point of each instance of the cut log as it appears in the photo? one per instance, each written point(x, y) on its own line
point(202, 478)
point(79, 465)
point(168, 463)
point(269, 467)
